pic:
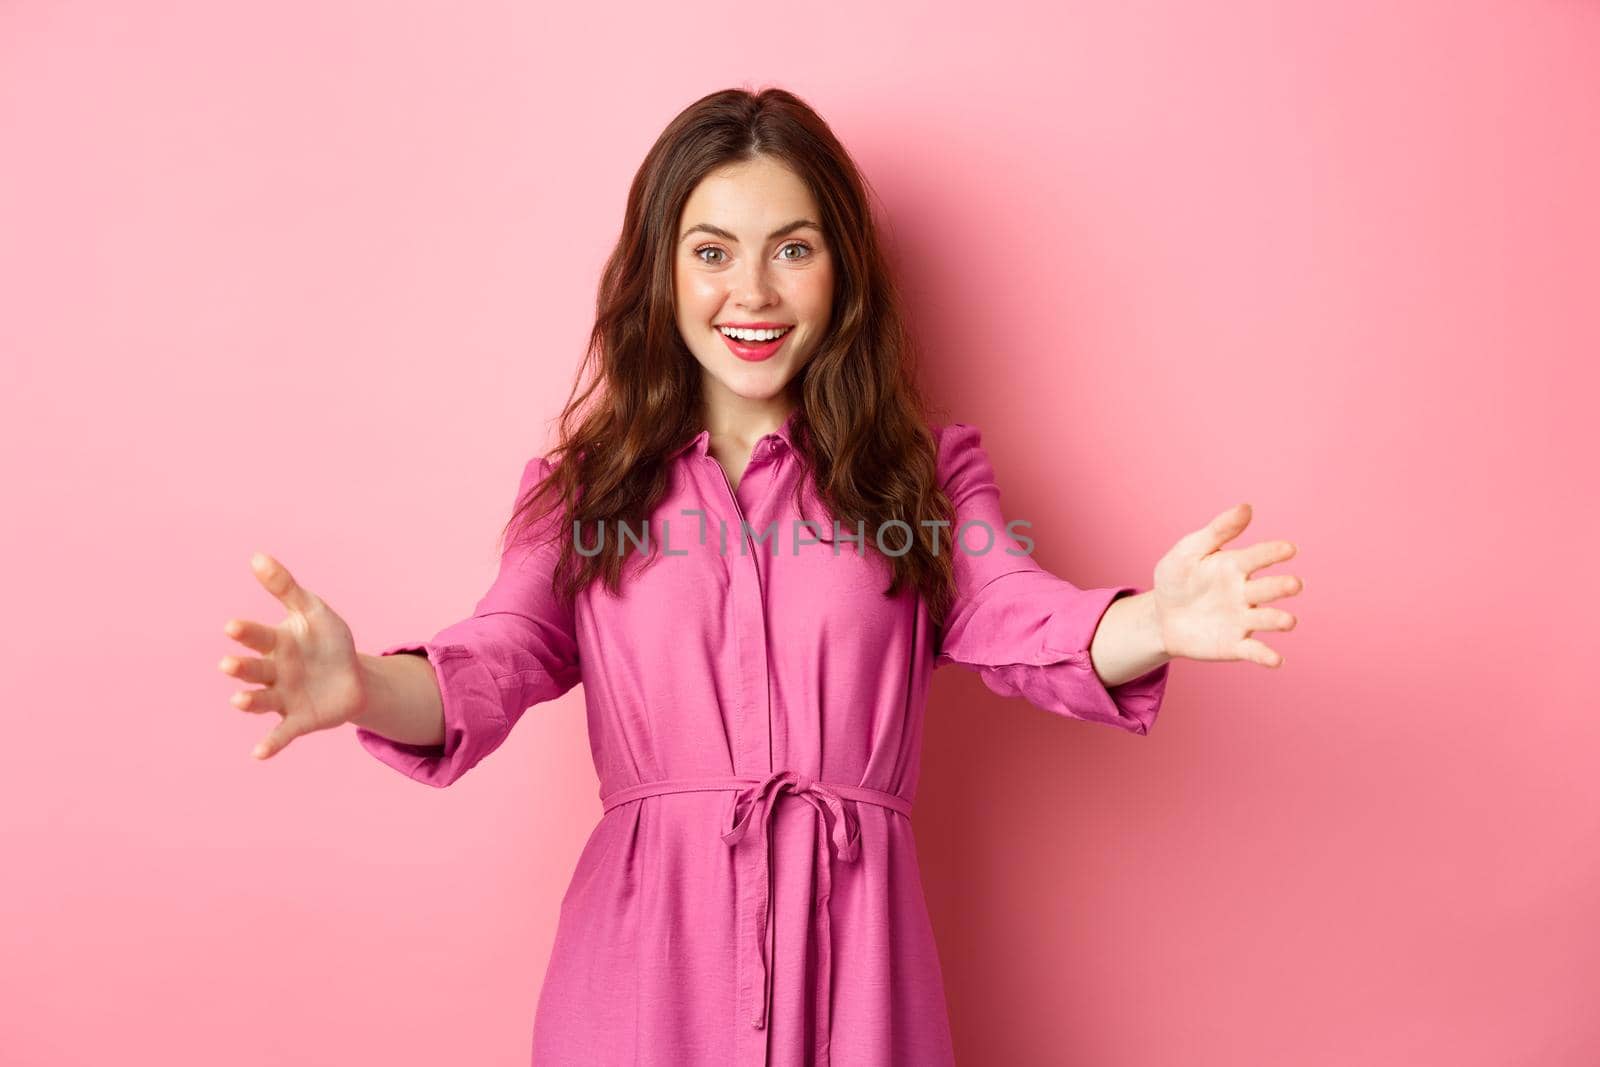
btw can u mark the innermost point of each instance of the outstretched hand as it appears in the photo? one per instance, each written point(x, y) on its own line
point(1208, 604)
point(308, 668)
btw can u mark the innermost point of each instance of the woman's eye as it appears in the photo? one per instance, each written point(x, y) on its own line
point(701, 252)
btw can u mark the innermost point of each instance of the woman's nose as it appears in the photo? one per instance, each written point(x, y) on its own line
point(754, 287)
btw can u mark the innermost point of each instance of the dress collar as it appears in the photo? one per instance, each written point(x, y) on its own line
point(701, 442)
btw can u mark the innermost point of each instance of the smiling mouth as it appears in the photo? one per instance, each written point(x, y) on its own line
point(755, 351)
point(728, 330)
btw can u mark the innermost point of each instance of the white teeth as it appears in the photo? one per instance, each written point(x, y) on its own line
point(753, 335)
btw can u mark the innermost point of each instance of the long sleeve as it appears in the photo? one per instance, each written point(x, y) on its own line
point(1024, 630)
point(518, 648)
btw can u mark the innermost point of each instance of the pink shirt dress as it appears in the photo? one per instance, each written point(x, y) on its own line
point(750, 894)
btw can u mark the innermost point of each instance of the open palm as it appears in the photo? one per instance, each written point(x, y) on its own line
point(1208, 603)
point(308, 667)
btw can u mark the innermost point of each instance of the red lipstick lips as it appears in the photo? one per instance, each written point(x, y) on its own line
point(756, 351)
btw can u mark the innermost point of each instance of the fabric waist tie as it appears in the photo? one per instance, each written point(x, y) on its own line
point(754, 800)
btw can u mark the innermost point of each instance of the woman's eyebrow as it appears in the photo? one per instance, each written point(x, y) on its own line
point(718, 231)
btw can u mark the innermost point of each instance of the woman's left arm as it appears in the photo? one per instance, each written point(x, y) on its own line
point(1204, 605)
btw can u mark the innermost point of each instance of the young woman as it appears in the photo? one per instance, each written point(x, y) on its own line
point(770, 550)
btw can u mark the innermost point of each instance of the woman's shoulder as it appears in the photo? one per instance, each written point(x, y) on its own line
point(535, 469)
point(960, 453)
point(954, 434)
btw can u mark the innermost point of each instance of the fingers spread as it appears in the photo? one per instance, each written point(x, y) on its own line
point(1224, 527)
point(249, 669)
point(1256, 652)
point(252, 635)
point(1269, 619)
point(1265, 554)
point(257, 700)
point(1272, 587)
point(275, 742)
point(280, 583)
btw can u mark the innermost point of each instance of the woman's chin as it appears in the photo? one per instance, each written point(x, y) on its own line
point(760, 381)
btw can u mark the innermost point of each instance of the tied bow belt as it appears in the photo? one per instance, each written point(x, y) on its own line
point(754, 801)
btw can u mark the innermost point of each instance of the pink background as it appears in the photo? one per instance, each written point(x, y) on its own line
point(313, 279)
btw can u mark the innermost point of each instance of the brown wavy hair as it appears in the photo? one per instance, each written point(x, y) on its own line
point(862, 426)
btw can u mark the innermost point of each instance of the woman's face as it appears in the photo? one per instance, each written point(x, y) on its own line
point(750, 252)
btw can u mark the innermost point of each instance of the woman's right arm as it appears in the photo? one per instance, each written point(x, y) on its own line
point(403, 700)
point(517, 649)
point(430, 709)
